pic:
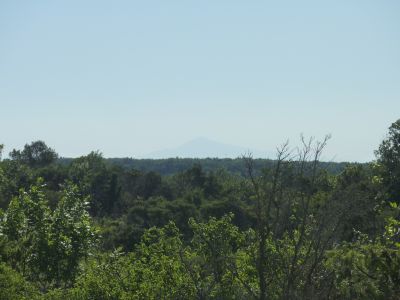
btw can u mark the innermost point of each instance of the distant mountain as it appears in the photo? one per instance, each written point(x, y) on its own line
point(203, 148)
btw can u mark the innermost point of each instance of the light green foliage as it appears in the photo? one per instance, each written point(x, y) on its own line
point(47, 245)
point(367, 269)
point(153, 271)
point(162, 267)
point(72, 234)
point(211, 258)
point(107, 276)
point(158, 265)
point(13, 286)
point(26, 225)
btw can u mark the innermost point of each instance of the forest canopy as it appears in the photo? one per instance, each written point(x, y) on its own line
point(288, 228)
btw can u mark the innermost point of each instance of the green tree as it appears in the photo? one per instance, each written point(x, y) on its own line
point(388, 158)
point(95, 179)
point(15, 176)
point(44, 245)
point(1, 150)
point(153, 271)
point(293, 223)
point(366, 268)
point(14, 286)
point(211, 259)
point(37, 154)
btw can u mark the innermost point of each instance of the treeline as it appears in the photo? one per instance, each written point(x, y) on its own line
point(172, 166)
point(290, 228)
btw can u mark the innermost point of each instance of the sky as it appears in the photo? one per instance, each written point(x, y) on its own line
point(133, 77)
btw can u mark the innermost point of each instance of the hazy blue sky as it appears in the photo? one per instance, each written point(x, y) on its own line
point(133, 77)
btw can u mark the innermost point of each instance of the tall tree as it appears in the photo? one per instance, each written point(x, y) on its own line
point(1, 150)
point(37, 154)
point(291, 235)
point(388, 156)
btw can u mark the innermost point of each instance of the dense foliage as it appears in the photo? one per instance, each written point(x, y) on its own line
point(95, 228)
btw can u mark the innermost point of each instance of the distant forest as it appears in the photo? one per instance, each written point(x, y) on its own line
point(171, 166)
point(121, 228)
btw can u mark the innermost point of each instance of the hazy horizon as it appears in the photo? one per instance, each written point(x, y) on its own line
point(131, 78)
point(201, 148)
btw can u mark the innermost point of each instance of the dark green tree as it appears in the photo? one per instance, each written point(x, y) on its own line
point(388, 158)
point(37, 154)
point(96, 179)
